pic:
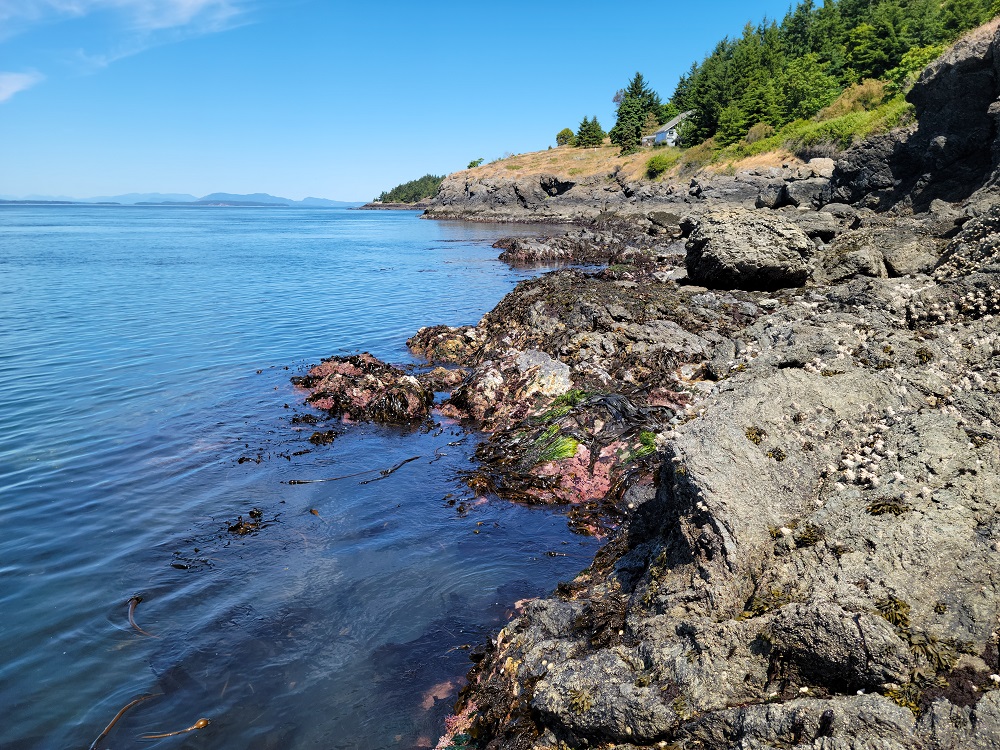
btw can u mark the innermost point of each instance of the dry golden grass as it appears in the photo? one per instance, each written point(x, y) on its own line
point(565, 162)
point(575, 164)
point(778, 158)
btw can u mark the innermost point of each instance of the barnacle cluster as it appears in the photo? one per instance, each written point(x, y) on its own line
point(884, 505)
point(981, 302)
point(862, 465)
point(974, 248)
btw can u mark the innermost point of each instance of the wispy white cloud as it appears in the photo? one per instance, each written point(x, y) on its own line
point(128, 27)
point(137, 16)
point(13, 83)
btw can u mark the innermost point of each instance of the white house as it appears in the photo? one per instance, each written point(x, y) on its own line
point(667, 135)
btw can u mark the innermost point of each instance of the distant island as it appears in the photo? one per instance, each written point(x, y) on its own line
point(415, 194)
point(253, 200)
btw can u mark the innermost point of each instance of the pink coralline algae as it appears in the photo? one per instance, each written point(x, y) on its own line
point(582, 478)
point(458, 723)
point(361, 388)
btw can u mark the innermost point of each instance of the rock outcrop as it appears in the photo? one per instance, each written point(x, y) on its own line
point(742, 249)
point(362, 388)
point(534, 198)
point(954, 150)
point(800, 458)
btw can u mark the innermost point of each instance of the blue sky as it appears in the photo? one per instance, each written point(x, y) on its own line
point(317, 98)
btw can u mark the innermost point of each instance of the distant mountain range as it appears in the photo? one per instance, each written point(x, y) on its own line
point(174, 199)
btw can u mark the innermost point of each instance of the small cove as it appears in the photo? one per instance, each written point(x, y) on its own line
point(143, 353)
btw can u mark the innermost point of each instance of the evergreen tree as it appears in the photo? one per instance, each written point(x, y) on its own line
point(798, 29)
point(807, 87)
point(627, 132)
point(590, 134)
point(670, 110)
point(638, 89)
point(830, 37)
point(759, 102)
point(866, 56)
point(732, 125)
point(922, 24)
point(958, 16)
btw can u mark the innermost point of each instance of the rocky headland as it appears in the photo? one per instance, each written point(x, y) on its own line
point(777, 400)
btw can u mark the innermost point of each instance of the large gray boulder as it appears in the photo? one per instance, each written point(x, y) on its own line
point(737, 248)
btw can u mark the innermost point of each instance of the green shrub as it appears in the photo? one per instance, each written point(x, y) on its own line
point(759, 132)
point(475, 163)
point(565, 137)
point(660, 163)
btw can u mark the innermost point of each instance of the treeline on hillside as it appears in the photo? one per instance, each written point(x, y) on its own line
point(413, 191)
point(781, 73)
point(776, 73)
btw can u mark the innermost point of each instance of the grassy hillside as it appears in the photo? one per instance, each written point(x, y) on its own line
point(863, 109)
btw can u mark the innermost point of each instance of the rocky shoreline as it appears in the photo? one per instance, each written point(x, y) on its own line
point(777, 399)
point(376, 206)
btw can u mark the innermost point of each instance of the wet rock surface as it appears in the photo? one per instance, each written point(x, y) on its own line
point(444, 344)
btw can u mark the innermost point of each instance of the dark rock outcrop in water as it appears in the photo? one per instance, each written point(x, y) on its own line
point(362, 388)
point(796, 462)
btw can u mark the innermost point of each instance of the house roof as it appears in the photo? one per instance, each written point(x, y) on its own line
point(676, 121)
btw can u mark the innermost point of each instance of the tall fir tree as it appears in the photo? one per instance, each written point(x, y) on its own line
point(807, 87)
point(627, 132)
point(590, 134)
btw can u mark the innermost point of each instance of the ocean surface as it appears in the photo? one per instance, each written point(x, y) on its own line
point(145, 407)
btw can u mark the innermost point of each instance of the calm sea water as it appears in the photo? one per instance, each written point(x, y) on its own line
point(143, 353)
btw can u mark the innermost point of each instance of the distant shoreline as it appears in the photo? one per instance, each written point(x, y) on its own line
point(418, 206)
point(166, 204)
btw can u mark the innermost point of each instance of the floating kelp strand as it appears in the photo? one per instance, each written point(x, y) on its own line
point(386, 472)
point(132, 604)
point(200, 724)
point(118, 716)
point(383, 473)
